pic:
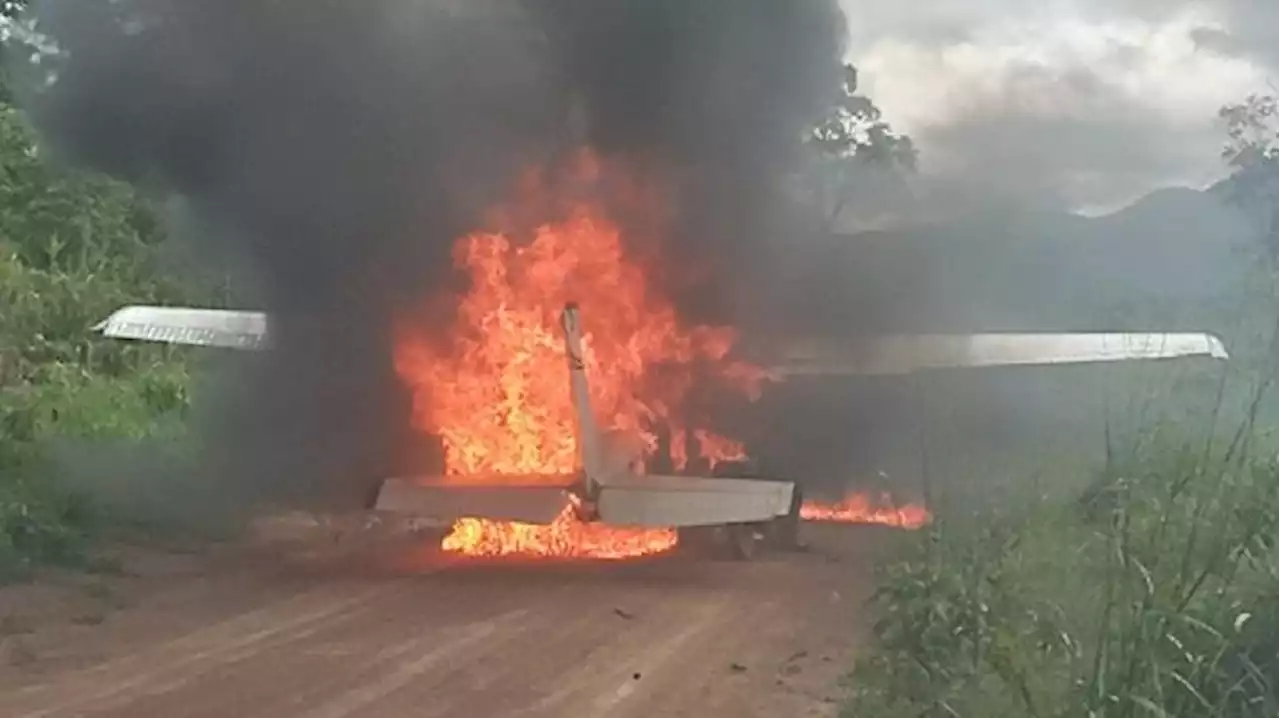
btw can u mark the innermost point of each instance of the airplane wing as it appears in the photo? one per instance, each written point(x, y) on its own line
point(661, 500)
point(911, 353)
point(227, 328)
point(887, 355)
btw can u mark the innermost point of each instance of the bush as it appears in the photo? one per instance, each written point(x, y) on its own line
point(40, 521)
point(40, 526)
point(73, 247)
point(1154, 595)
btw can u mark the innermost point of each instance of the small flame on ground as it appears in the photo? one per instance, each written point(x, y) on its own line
point(565, 537)
point(860, 509)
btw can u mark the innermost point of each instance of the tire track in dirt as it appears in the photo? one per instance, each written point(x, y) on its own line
point(801, 624)
point(605, 692)
point(705, 639)
point(403, 671)
point(515, 676)
point(168, 666)
point(419, 632)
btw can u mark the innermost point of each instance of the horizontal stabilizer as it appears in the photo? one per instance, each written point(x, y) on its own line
point(633, 500)
point(534, 503)
point(647, 500)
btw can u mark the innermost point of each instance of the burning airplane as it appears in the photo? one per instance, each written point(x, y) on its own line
point(530, 468)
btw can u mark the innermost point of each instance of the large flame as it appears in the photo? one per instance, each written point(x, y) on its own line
point(497, 392)
point(858, 508)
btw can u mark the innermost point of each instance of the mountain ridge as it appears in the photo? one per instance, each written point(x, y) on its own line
point(1163, 263)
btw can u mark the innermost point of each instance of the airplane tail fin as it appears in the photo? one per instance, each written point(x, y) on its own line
point(589, 438)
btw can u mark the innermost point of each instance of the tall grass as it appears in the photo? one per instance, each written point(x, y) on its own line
point(1153, 592)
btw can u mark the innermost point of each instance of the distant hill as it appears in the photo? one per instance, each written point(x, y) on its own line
point(1166, 262)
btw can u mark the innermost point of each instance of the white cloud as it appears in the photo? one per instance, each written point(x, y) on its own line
point(1063, 102)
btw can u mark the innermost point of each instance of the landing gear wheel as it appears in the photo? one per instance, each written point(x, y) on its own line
point(697, 540)
point(786, 529)
point(743, 543)
point(371, 494)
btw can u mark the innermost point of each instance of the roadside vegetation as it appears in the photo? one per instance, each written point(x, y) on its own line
point(1145, 586)
point(73, 248)
point(1148, 591)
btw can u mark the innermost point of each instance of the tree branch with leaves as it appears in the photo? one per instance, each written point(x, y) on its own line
point(846, 145)
point(1251, 152)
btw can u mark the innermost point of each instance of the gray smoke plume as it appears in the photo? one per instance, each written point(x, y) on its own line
point(338, 148)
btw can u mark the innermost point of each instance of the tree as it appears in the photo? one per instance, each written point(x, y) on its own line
point(850, 147)
point(1251, 152)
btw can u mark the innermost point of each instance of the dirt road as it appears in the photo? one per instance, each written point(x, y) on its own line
point(412, 633)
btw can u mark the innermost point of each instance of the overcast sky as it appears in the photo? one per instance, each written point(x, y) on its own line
point(1084, 104)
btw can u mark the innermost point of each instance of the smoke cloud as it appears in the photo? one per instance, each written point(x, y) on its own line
point(715, 96)
point(339, 148)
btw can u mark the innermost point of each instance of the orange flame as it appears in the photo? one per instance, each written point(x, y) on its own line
point(860, 509)
point(717, 448)
point(566, 537)
point(498, 395)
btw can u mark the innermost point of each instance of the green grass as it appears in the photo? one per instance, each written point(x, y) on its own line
point(1147, 588)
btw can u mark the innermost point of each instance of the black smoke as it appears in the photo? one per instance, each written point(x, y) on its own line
point(717, 95)
point(338, 148)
